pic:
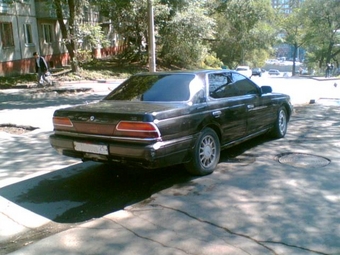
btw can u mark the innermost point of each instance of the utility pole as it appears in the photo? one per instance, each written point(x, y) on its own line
point(151, 46)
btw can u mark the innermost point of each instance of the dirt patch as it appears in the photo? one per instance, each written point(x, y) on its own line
point(15, 130)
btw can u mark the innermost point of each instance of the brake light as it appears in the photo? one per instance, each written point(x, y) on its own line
point(62, 121)
point(137, 129)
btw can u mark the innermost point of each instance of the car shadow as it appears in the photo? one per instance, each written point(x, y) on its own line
point(238, 153)
point(90, 190)
point(71, 195)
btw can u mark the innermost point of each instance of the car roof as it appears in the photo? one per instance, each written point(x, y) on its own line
point(195, 72)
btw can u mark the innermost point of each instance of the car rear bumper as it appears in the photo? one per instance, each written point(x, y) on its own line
point(159, 154)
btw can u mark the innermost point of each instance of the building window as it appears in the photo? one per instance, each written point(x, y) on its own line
point(6, 35)
point(28, 34)
point(4, 6)
point(48, 33)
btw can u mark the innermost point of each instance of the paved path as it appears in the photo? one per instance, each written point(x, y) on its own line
point(252, 204)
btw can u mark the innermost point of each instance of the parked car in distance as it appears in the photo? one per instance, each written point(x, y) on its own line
point(256, 72)
point(162, 119)
point(245, 70)
point(274, 72)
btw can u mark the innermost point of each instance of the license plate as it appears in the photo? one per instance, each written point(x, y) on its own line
point(92, 148)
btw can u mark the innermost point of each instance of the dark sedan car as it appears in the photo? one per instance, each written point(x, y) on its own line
point(166, 118)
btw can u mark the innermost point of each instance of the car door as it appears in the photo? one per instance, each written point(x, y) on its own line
point(260, 110)
point(226, 106)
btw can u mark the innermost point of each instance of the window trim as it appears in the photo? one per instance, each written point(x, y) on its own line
point(51, 31)
point(28, 35)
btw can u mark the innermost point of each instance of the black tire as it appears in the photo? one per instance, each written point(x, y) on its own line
point(280, 125)
point(206, 154)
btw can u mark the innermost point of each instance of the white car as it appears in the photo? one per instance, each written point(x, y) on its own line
point(274, 72)
point(245, 70)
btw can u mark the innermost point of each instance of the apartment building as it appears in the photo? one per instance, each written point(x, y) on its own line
point(20, 36)
point(27, 26)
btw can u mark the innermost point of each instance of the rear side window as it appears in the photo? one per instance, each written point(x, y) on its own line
point(221, 86)
point(164, 87)
point(243, 85)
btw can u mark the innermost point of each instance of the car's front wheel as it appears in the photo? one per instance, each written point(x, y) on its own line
point(206, 153)
point(280, 125)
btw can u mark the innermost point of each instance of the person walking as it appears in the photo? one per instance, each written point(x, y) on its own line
point(41, 68)
point(331, 70)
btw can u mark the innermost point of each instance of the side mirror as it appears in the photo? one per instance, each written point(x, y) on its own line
point(266, 89)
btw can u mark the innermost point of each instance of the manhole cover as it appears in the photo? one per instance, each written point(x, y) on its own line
point(303, 160)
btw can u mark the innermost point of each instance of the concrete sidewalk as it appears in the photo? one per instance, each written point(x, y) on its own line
point(259, 200)
point(252, 204)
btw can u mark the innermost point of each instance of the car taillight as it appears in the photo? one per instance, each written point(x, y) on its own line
point(62, 121)
point(137, 129)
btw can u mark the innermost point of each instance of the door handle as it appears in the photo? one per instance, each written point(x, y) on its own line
point(217, 114)
point(250, 106)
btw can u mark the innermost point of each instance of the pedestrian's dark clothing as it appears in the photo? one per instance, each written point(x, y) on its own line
point(331, 70)
point(328, 69)
point(42, 64)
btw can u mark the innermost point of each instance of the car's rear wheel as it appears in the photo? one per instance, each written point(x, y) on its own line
point(206, 153)
point(280, 125)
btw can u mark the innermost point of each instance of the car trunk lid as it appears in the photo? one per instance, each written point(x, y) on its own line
point(101, 118)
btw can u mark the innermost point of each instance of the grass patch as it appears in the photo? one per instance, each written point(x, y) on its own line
point(93, 70)
point(8, 82)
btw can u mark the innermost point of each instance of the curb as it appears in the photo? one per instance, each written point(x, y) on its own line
point(63, 83)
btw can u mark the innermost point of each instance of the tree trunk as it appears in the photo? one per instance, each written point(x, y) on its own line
point(294, 58)
point(68, 34)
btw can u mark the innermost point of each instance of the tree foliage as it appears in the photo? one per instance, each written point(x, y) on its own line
point(130, 21)
point(183, 37)
point(67, 10)
point(292, 28)
point(244, 31)
point(73, 29)
point(195, 33)
point(323, 31)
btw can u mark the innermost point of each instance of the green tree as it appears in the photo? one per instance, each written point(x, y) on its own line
point(244, 34)
point(91, 37)
point(293, 30)
point(323, 30)
point(184, 35)
point(74, 28)
point(181, 28)
point(69, 11)
point(130, 22)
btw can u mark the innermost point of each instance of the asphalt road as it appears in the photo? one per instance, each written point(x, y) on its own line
point(266, 196)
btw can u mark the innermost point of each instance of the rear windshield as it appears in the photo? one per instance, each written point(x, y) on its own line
point(163, 87)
